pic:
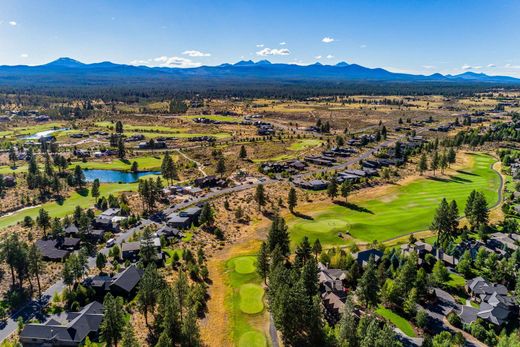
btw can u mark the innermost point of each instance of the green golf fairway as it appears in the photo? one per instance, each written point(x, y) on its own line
point(403, 209)
point(252, 339)
point(244, 265)
point(68, 206)
point(251, 296)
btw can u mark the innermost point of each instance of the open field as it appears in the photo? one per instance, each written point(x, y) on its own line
point(245, 301)
point(145, 163)
point(403, 208)
point(57, 210)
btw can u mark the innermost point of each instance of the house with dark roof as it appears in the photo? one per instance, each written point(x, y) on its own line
point(312, 185)
point(496, 306)
point(169, 232)
point(362, 257)
point(65, 329)
point(50, 251)
point(332, 292)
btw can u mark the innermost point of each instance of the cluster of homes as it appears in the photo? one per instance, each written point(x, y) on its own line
point(496, 305)
point(59, 248)
point(332, 284)
point(83, 153)
point(292, 167)
point(73, 328)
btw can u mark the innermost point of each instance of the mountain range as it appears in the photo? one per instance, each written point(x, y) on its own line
point(67, 71)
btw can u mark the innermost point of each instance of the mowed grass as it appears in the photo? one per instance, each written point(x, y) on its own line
point(154, 131)
point(251, 298)
point(403, 209)
point(252, 339)
point(396, 320)
point(148, 163)
point(245, 301)
point(67, 208)
point(301, 145)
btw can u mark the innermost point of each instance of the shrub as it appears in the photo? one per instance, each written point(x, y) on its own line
point(454, 319)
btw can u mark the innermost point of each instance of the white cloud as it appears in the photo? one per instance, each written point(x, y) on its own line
point(363, 46)
point(195, 53)
point(491, 65)
point(283, 43)
point(317, 57)
point(165, 61)
point(510, 66)
point(24, 55)
point(470, 67)
point(330, 56)
point(274, 51)
point(327, 39)
point(12, 23)
point(429, 67)
point(260, 45)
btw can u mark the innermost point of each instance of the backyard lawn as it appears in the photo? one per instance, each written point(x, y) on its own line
point(400, 210)
point(145, 163)
point(400, 322)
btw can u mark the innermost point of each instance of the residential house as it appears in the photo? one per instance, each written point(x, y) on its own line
point(496, 306)
point(65, 329)
point(362, 257)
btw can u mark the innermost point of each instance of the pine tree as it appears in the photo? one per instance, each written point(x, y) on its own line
point(121, 151)
point(95, 188)
point(129, 339)
point(292, 199)
point(368, 287)
point(79, 177)
point(149, 288)
point(332, 189)
point(434, 165)
point(303, 251)
point(345, 190)
point(278, 236)
point(206, 215)
point(260, 196)
point(43, 220)
point(221, 166)
point(113, 322)
point(347, 331)
point(452, 156)
point(443, 162)
point(262, 262)
point(119, 127)
point(243, 152)
point(168, 168)
point(316, 248)
point(441, 223)
point(35, 266)
point(423, 164)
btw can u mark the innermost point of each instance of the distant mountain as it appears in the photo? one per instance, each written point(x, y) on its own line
point(69, 72)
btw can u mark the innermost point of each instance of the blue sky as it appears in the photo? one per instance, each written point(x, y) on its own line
point(450, 36)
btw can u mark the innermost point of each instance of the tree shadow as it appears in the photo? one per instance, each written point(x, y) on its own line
point(126, 161)
point(353, 207)
point(83, 191)
point(301, 215)
point(466, 173)
point(441, 179)
point(460, 179)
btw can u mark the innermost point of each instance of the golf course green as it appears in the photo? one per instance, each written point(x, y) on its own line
point(401, 209)
point(245, 302)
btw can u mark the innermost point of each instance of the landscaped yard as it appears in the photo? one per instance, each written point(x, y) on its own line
point(401, 209)
point(301, 145)
point(245, 302)
point(400, 322)
point(456, 281)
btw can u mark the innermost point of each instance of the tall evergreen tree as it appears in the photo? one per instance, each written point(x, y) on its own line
point(292, 199)
point(368, 287)
point(278, 236)
point(260, 196)
point(113, 323)
point(262, 262)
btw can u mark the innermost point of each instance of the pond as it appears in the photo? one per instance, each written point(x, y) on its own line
point(115, 176)
point(41, 134)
